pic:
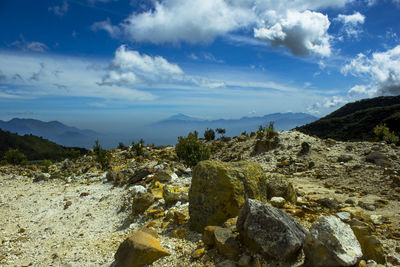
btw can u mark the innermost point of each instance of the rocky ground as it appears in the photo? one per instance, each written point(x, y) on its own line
point(74, 214)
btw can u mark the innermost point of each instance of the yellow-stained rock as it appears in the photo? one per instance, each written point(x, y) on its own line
point(180, 233)
point(179, 218)
point(198, 253)
point(371, 246)
point(219, 190)
point(173, 194)
point(138, 250)
point(208, 235)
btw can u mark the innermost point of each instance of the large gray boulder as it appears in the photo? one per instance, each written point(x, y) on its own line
point(331, 242)
point(270, 231)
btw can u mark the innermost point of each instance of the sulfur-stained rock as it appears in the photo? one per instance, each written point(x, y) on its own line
point(208, 235)
point(277, 202)
point(138, 250)
point(371, 246)
point(198, 253)
point(226, 243)
point(141, 202)
point(219, 190)
point(165, 175)
point(270, 231)
point(278, 186)
point(173, 194)
point(331, 243)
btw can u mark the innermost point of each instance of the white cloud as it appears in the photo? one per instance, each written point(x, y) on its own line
point(130, 67)
point(351, 23)
point(59, 10)
point(44, 76)
point(381, 70)
point(29, 46)
point(303, 33)
point(201, 21)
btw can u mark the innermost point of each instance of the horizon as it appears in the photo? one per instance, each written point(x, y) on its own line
point(115, 66)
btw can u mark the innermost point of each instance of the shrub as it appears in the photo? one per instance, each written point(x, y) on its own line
point(14, 157)
point(220, 131)
point(102, 155)
point(269, 131)
point(383, 133)
point(191, 150)
point(44, 165)
point(209, 134)
point(122, 146)
point(138, 148)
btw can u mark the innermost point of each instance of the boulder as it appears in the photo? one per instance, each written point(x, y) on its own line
point(266, 144)
point(141, 200)
point(278, 202)
point(378, 158)
point(278, 186)
point(165, 175)
point(331, 242)
point(138, 250)
point(270, 231)
point(219, 190)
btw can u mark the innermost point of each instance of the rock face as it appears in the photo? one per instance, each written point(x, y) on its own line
point(219, 190)
point(138, 250)
point(270, 231)
point(331, 243)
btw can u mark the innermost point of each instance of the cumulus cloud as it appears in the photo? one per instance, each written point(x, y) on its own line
point(302, 32)
point(295, 24)
point(381, 70)
point(59, 10)
point(29, 46)
point(131, 67)
point(351, 23)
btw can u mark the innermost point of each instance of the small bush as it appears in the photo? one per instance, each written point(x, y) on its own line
point(191, 150)
point(383, 133)
point(209, 134)
point(14, 157)
point(269, 131)
point(102, 155)
point(138, 148)
point(122, 146)
point(44, 165)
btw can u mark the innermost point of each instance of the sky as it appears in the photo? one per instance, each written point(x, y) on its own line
point(110, 65)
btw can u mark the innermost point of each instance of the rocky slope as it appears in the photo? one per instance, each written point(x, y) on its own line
point(78, 215)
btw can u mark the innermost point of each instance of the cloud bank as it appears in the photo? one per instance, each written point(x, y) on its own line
point(297, 25)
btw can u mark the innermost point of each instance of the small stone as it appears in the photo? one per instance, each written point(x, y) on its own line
point(366, 206)
point(208, 235)
point(138, 250)
point(180, 233)
point(67, 204)
point(179, 218)
point(277, 202)
point(244, 260)
point(377, 219)
point(344, 216)
point(21, 230)
point(84, 194)
point(226, 243)
point(198, 253)
point(362, 263)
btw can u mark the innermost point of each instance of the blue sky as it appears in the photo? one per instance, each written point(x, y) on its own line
point(109, 65)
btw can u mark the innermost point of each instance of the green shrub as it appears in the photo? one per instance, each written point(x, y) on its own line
point(269, 131)
point(44, 165)
point(220, 131)
point(209, 134)
point(122, 146)
point(138, 148)
point(102, 155)
point(14, 157)
point(191, 150)
point(383, 133)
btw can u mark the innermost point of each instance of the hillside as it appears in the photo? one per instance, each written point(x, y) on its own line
point(54, 131)
point(35, 148)
point(356, 121)
point(80, 215)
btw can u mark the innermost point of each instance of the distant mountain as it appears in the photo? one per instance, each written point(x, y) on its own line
point(53, 130)
point(181, 124)
point(35, 148)
point(356, 121)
